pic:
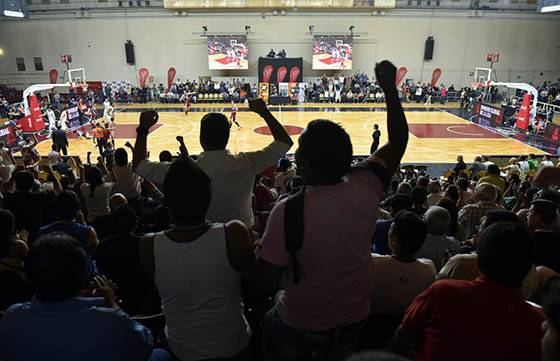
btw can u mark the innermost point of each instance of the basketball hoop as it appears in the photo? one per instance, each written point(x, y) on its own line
point(82, 86)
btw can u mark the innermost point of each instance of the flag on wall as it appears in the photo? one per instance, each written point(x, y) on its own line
point(143, 75)
point(401, 73)
point(435, 76)
point(170, 77)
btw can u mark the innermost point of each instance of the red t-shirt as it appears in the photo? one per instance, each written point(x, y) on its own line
point(481, 320)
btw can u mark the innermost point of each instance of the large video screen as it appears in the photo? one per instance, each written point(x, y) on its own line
point(228, 52)
point(332, 52)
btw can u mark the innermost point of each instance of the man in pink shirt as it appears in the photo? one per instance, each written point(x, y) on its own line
point(328, 278)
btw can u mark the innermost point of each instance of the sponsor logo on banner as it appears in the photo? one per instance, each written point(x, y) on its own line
point(170, 77)
point(143, 75)
point(401, 73)
point(435, 76)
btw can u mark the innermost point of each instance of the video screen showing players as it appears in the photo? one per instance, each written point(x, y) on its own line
point(332, 52)
point(228, 52)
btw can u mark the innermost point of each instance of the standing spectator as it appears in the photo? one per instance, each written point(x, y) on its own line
point(460, 167)
point(117, 258)
point(96, 191)
point(339, 204)
point(287, 173)
point(493, 314)
point(232, 175)
point(127, 182)
point(196, 265)
point(60, 325)
point(443, 95)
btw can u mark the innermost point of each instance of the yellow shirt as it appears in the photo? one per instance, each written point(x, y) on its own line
point(494, 180)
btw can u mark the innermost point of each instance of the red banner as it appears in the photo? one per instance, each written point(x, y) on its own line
point(435, 76)
point(170, 77)
point(401, 73)
point(53, 76)
point(294, 74)
point(524, 113)
point(281, 74)
point(34, 122)
point(143, 75)
point(267, 73)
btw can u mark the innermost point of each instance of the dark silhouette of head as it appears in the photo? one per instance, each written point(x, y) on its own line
point(505, 252)
point(324, 154)
point(121, 157)
point(56, 267)
point(25, 181)
point(67, 205)
point(188, 204)
point(7, 227)
point(407, 233)
point(214, 131)
point(165, 156)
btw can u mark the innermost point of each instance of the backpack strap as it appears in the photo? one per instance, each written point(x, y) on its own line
point(293, 228)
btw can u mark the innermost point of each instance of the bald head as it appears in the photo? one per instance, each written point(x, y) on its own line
point(117, 200)
point(486, 192)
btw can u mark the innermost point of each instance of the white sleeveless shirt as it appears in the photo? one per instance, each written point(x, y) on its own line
point(201, 296)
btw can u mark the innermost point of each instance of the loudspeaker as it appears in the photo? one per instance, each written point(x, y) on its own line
point(129, 50)
point(429, 48)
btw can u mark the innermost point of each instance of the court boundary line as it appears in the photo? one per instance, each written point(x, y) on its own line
point(494, 131)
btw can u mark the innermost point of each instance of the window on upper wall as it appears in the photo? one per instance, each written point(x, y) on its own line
point(38, 64)
point(20, 63)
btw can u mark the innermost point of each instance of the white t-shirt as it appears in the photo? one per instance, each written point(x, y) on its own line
point(128, 182)
point(98, 205)
point(546, 163)
point(435, 247)
point(396, 283)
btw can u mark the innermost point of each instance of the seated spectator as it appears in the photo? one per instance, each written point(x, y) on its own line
point(493, 178)
point(477, 167)
point(12, 252)
point(455, 229)
point(437, 244)
point(465, 194)
point(232, 175)
point(263, 195)
point(404, 188)
point(542, 221)
point(60, 325)
point(419, 196)
point(314, 314)
point(67, 206)
point(546, 162)
point(287, 173)
point(198, 267)
point(423, 182)
point(380, 242)
point(465, 266)
point(485, 196)
point(117, 258)
point(400, 277)
point(440, 319)
point(551, 339)
point(435, 193)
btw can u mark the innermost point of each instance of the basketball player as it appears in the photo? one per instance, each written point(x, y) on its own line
point(233, 116)
point(108, 111)
point(187, 103)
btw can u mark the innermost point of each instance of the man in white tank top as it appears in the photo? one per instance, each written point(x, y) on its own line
point(196, 266)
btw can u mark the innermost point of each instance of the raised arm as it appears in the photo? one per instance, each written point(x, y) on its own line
point(397, 128)
point(278, 132)
point(147, 120)
point(182, 147)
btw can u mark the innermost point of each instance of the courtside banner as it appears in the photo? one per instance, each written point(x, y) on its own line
point(487, 114)
point(524, 114)
point(332, 51)
point(73, 117)
point(280, 70)
point(552, 133)
point(228, 52)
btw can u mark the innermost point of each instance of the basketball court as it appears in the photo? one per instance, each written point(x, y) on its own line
point(436, 135)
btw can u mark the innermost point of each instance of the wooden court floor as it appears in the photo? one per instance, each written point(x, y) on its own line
point(436, 136)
